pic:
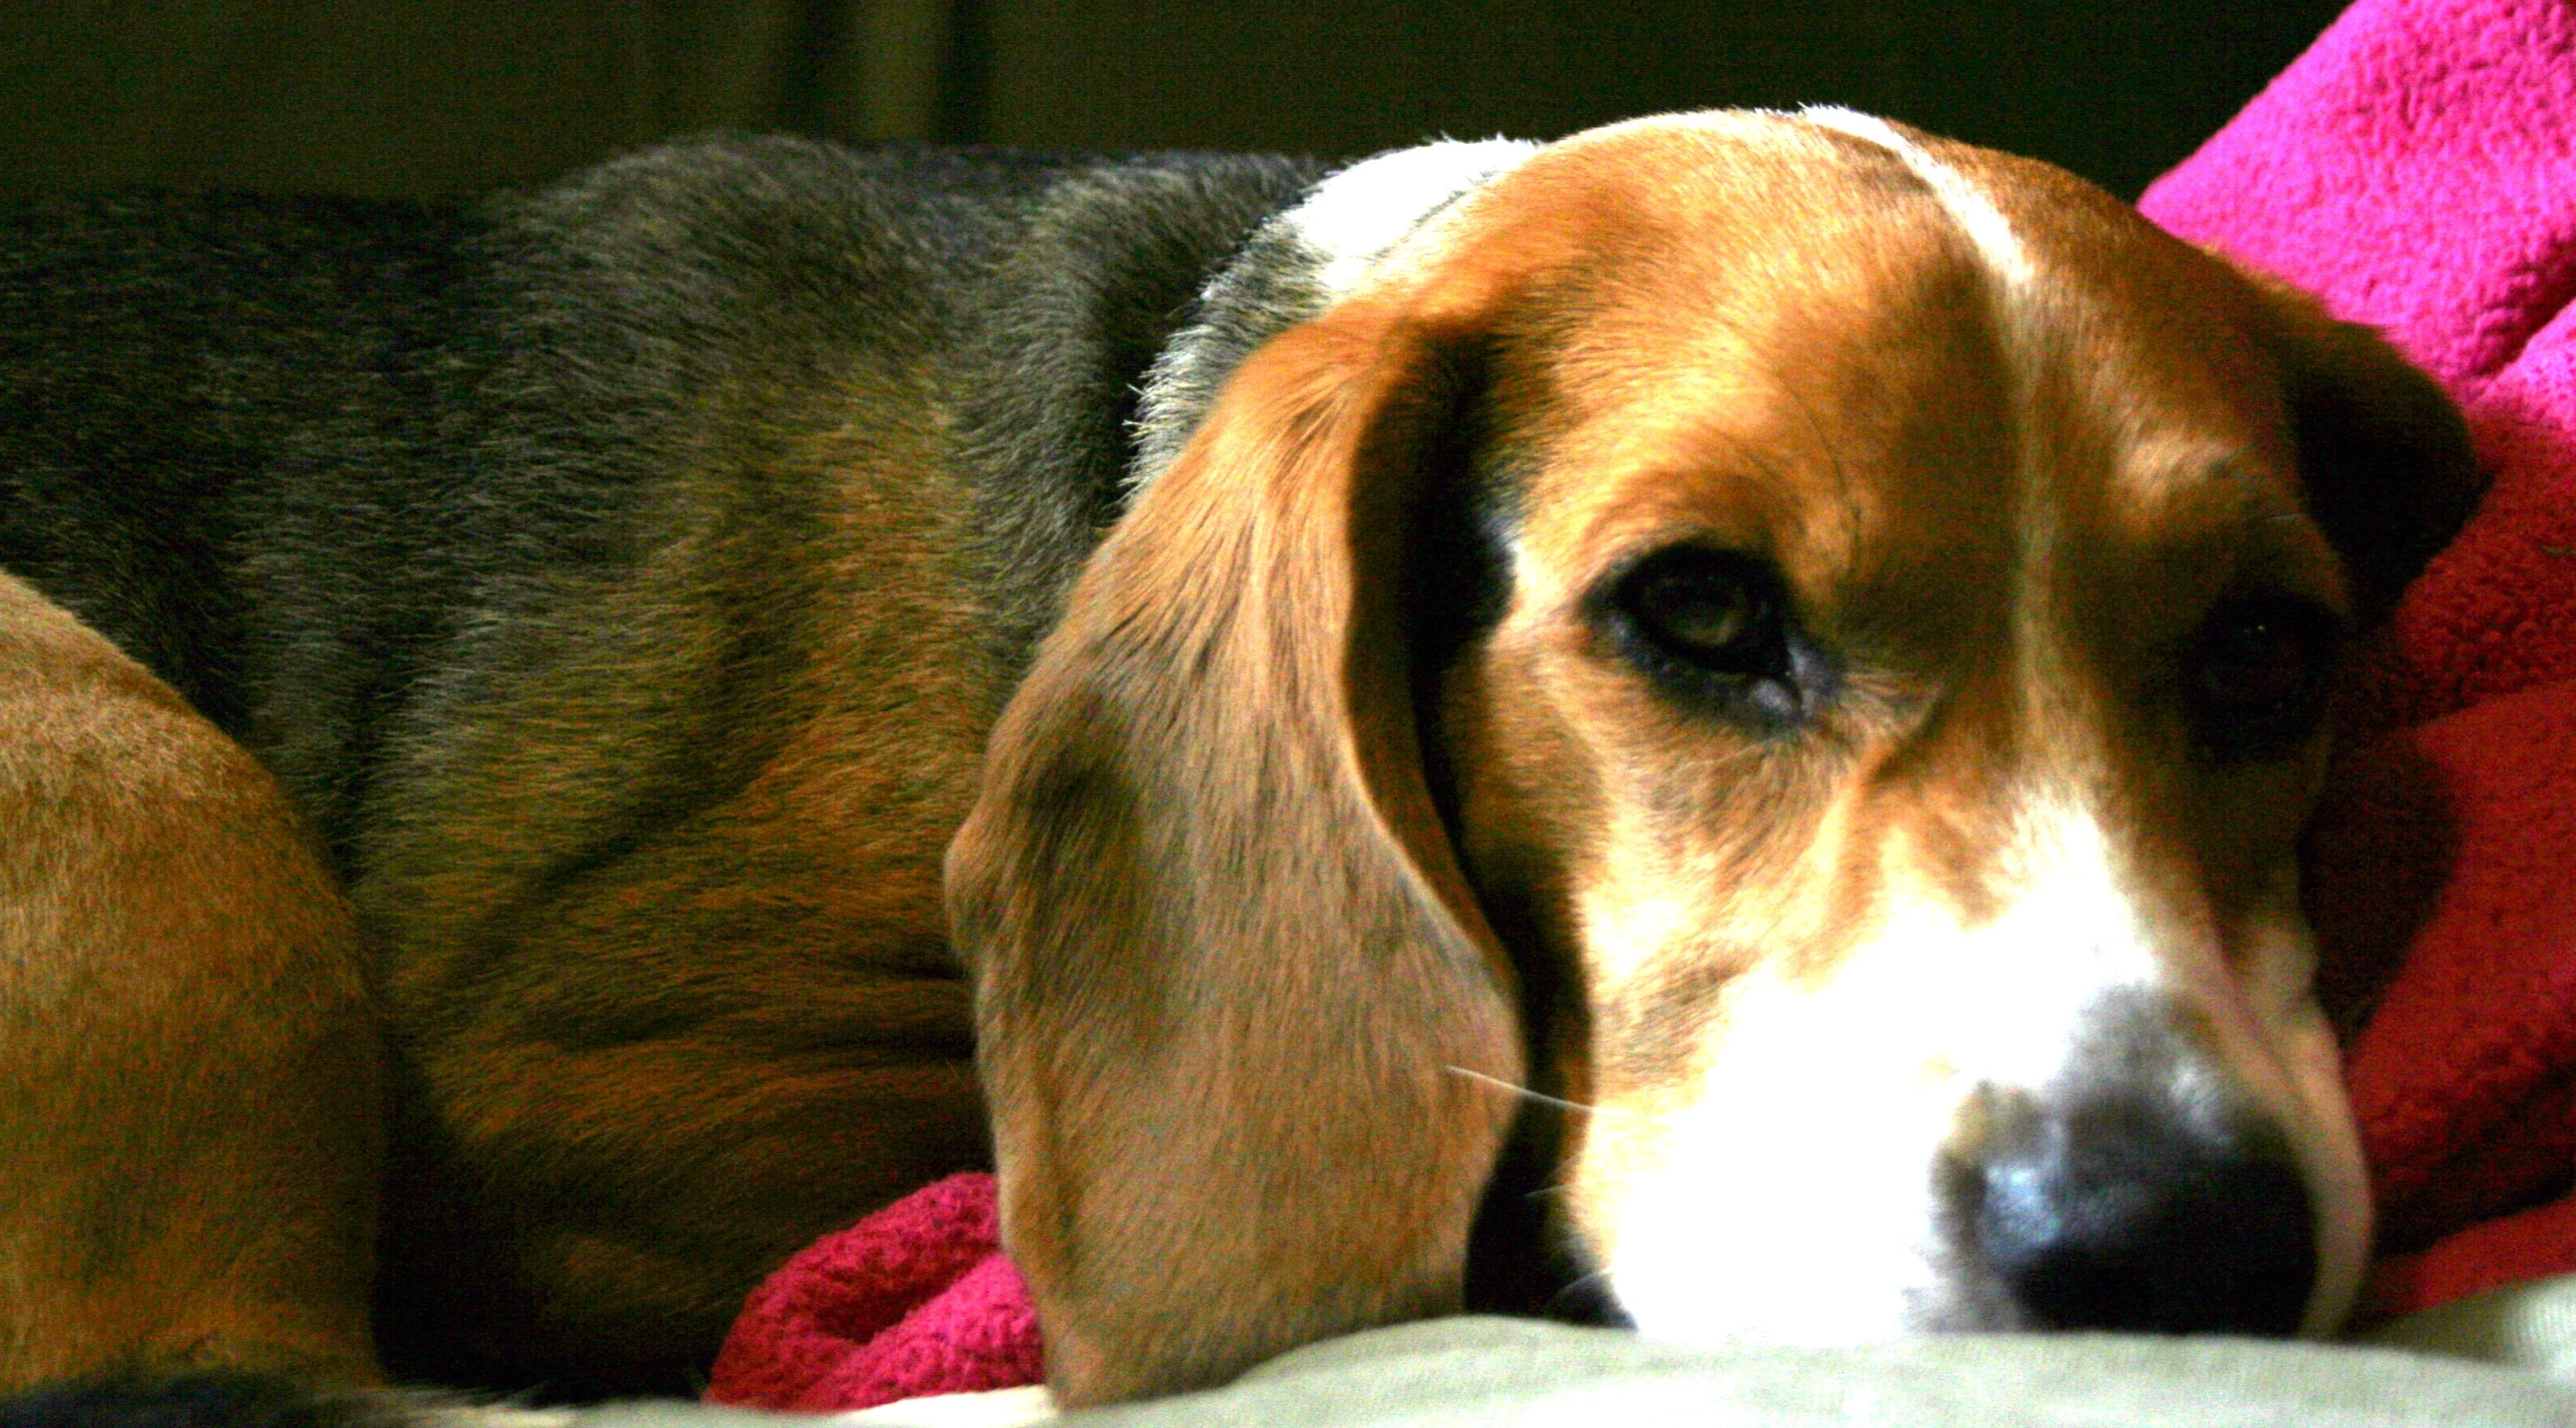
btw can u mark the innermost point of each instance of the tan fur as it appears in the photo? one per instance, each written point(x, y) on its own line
point(189, 1130)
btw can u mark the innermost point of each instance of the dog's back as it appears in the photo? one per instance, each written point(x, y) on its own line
point(665, 538)
point(264, 443)
point(160, 356)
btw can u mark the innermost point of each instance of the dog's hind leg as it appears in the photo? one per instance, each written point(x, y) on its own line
point(189, 1120)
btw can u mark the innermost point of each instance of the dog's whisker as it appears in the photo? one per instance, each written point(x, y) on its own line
point(1540, 1097)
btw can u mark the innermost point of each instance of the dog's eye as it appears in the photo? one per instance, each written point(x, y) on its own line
point(2259, 674)
point(1704, 612)
point(1711, 623)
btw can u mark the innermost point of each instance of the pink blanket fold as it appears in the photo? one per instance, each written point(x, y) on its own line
point(2417, 169)
point(915, 1299)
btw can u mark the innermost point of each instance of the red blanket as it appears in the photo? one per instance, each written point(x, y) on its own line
point(914, 1299)
point(2417, 169)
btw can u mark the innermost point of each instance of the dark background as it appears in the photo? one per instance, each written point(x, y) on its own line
point(425, 96)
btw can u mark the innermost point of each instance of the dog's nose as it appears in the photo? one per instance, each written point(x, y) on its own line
point(2133, 1212)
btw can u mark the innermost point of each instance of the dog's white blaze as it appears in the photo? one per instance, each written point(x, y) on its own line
point(2022, 985)
point(1966, 204)
point(1355, 216)
point(2008, 260)
point(1794, 1198)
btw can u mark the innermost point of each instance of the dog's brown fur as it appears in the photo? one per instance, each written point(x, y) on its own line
point(190, 1129)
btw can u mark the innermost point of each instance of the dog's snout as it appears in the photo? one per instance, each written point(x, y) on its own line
point(2131, 1212)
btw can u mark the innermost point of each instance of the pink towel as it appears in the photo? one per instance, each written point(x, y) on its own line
point(914, 1299)
point(2417, 169)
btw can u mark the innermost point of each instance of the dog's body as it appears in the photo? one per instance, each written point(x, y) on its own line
point(621, 581)
point(1800, 549)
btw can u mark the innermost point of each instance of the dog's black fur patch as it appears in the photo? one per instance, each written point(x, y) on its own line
point(292, 453)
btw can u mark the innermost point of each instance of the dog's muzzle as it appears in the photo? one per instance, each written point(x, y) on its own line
point(2144, 1194)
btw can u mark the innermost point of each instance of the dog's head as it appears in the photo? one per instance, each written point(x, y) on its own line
point(1835, 627)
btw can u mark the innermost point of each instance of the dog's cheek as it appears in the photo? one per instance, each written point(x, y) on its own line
point(2276, 954)
point(2329, 1147)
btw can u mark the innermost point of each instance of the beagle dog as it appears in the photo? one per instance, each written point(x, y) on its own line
point(1711, 719)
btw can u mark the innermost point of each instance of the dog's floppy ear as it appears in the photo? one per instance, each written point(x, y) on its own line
point(1228, 973)
point(2383, 453)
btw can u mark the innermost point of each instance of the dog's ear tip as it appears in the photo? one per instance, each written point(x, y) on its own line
point(2385, 454)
